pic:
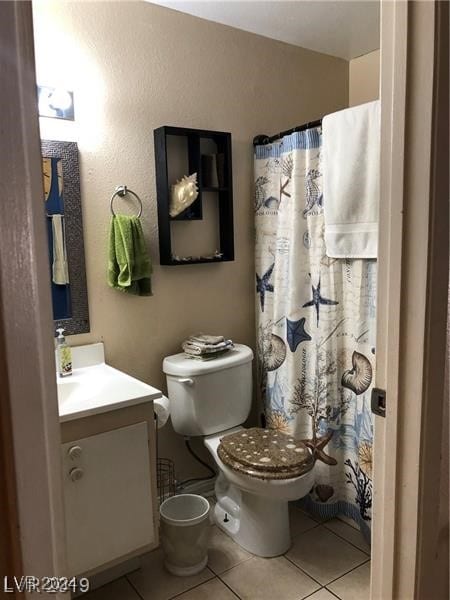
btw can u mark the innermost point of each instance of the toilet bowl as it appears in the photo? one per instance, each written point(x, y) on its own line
point(254, 511)
point(212, 399)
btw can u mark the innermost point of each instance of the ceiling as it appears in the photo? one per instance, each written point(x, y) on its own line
point(342, 28)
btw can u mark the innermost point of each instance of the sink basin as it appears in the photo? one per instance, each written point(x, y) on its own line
point(95, 387)
point(67, 390)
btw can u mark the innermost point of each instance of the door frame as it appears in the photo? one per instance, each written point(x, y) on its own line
point(412, 297)
point(411, 300)
point(32, 514)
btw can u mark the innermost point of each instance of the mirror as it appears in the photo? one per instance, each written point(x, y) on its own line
point(62, 210)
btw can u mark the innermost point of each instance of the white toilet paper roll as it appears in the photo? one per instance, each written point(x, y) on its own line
point(161, 407)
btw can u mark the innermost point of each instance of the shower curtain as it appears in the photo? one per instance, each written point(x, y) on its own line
point(315, 329)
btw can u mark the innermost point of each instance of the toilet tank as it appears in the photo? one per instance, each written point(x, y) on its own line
point(209, 396)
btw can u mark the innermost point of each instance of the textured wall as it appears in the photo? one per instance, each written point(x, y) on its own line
point(364, 78)
point(133, 67)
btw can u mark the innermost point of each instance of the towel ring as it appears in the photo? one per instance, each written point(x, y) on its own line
point(122, 190)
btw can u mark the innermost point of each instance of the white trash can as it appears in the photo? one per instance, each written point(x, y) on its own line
point(185, 530)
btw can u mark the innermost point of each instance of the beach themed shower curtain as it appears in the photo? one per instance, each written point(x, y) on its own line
point(315, 329)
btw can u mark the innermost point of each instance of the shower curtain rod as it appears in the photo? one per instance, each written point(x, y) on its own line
point(265, 139)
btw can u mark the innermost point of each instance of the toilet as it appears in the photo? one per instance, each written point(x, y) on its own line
point(260, 470)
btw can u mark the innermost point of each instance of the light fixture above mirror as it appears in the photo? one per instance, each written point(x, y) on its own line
point(55, 103)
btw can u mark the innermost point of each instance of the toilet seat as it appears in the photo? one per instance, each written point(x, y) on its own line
point(265, 454)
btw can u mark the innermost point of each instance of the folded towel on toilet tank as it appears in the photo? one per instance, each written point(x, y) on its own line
point(202, 338)
point(206, 345)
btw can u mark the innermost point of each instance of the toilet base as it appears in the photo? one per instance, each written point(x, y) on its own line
point(257, 523)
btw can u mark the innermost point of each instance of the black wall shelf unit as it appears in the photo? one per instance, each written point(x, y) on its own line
point(193, 141)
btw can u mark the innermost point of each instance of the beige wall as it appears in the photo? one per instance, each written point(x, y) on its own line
point(364, 77)
point(134, 67)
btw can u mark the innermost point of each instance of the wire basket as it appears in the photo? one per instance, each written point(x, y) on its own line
point(165, 478)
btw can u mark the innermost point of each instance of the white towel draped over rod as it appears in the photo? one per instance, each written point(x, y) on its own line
point(351, 181)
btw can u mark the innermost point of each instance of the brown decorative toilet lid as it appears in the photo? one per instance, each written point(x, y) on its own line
point(265, 453)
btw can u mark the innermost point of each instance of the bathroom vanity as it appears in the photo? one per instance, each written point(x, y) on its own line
point(109, 463)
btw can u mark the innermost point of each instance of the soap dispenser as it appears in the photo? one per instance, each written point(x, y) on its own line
point(63, 355)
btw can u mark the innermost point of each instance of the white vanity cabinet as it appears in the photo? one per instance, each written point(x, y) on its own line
point(109, 488)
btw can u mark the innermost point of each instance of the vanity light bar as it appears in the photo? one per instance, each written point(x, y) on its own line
point(55, 103)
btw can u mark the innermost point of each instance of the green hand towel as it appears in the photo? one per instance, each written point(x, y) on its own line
point(129, 266)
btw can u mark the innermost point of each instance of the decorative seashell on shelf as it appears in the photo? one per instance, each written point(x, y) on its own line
point(184, 193)
point(359, 378)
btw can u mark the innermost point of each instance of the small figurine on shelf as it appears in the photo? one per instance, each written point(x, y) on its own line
point(184, 193)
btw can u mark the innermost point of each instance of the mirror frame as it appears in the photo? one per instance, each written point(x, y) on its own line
point(68, 153)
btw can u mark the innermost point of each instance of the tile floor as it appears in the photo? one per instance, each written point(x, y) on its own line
point(327, 560)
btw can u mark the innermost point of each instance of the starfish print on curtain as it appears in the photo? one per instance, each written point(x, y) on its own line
point(263, 285)
point(317, 300)
point(296, 333)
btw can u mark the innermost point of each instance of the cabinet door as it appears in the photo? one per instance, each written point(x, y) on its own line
point(108, 499)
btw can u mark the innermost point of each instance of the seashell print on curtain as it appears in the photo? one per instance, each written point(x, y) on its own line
point(315, 328)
